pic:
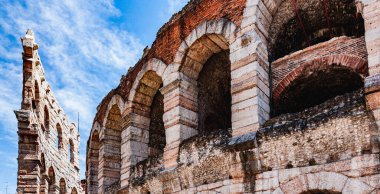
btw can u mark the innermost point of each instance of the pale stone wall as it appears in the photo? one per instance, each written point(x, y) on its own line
point(45, 135)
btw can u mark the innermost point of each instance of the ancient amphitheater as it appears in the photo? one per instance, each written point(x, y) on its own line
point(234, 96)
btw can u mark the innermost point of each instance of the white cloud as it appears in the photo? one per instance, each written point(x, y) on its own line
point(83, 53)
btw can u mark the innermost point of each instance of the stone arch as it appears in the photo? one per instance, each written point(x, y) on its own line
point(181, 89)
point(59, 136)
point(46, 123)
point(278, 25)
point(110, 144)
point(355, 68)
point(43, 175)
point(74, 191)
point(53, 187)
point(36, 97)
point(92, 164)
point(142, 102)
point(209, 37)
point(71, 151)
point(328, 182)
point(62, 186)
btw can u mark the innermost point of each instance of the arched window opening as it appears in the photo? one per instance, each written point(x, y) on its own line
point(315, 87)
point(62, 186)
point(71, 155)
point(288, 34)
point(157, 140)
point(74, 191)
point(36, 99)
point(59, 136)
point(46, 119)
point(214, 95)
point(43, 164)
point(51, 174)
point(111, 147)
point(93, 163)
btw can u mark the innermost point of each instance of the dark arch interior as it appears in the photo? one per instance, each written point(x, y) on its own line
point(214, 95)
point(157, 139)
point(315, 88)
point(288, 36)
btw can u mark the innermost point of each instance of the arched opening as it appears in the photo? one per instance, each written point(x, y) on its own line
point(93, 163)
point(318, 21)
point(43, 175)
point(36, 99)
point(207, 63)
point(59, 136)
point(214, 95)
point(148, 102)
point(45, 126)
point(51, 174)
point(157, 139)
point(71, 149)
point(74, 191)
point(62, 186)
point(313, 87)
point(110, 149)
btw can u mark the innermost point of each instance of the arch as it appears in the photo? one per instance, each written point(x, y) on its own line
point(92, 159)
point(327, 182)
point(287, 34)
point(355, 67)
point(206, 39)
point(141, 101)
point(115, 100)
point(46, 119)
point(71, 151)
point(74, 191)
point(52, 180)
point(43, 164)
point(153, 65)
point(36, 98)
point(62, 186)
point(110, 148)
point(59, 136)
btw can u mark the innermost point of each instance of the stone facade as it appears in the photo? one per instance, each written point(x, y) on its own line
point(48, 154)
point(247, 96)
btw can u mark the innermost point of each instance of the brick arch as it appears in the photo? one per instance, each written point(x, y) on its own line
point(74, 191)
point(115, 100)
point(354, 63)
point(137, 115)
point(206, 39)
point(92, 159)
point(323, 181)
point(62, 186)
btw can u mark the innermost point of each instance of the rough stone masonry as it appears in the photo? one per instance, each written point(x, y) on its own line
point(242, 96)
point(48, 148)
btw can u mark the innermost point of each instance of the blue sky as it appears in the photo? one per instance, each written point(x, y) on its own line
point(85, 47)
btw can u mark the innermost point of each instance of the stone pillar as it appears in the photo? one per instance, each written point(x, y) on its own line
point(370, 11)
point(250, 71)
point(134, 143)
point(28, 174)
point(180, 117)
point(109, 161)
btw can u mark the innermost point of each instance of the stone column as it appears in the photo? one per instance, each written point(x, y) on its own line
point(134, 143)
point(109, 161)
point(180, 117)
point(371, 13)
point(250, 71)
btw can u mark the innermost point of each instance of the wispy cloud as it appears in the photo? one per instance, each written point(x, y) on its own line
point(83, 53)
